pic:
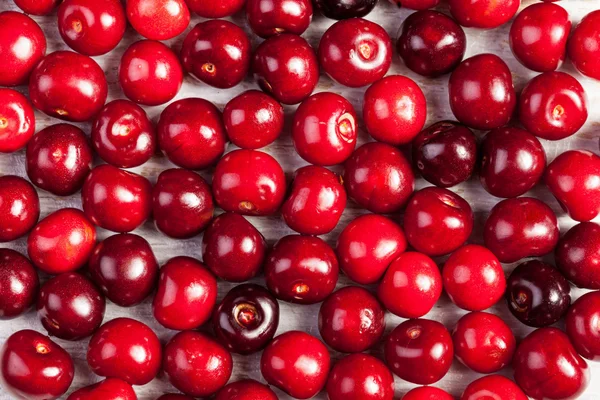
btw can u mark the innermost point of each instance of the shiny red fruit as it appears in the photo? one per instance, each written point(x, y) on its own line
point(273, 17)
point(584, 45)
point(345, 9)
point(493, 385)
point(215, 9)
point(582, 325)
point(108, 389)
point(37, 7)
point(246, 389)
point(484, 14)
point(360, 377)
point(427, 393)
point(158, 19)
point(17, 120)
point(19, 207)
point(169, 396)
point(19, 284)
point(578, 255)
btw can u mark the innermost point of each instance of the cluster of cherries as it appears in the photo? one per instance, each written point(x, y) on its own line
point(301, 268)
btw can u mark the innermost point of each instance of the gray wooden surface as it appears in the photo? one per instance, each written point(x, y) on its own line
point(305, 317)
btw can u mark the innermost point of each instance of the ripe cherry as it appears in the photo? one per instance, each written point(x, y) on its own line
point(158, 19)
point(360, 377)
point(338, 9)
point(17, 120)
point(578, 255)
point(584, 45)
point(37, 7)
point(246, 389)
point(19, 207)
point(493, 385)
point(215, 9)
point(108, 389)
point(485, 14)
point(19, 284)
point(273, 17)
point(582, 325)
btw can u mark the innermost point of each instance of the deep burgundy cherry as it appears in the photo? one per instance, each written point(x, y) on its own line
point(582, 325)
point(34, 367)
point(61, 242)
point(150, 73)
point(547, 366)
point(437, 221)
point(249, 182)
point(360, 377)
point(568, 177)
point(158, 19)
point(186, 294)
point(351, 320)
point(215, 9)
point(125, 349)
point(37, 7)
point(416, 5)
point(232, 248)
point(484, 14)
point(182, 203)
point(196, 364)
point(427, 392)
point(59, 158)
point(125, 268)
point(17, 120)
point(512, 162)
point(253, 120)
point(496, 386)
point(246, 389)
point(170, 396)
point(19, 207)
point(123, 135)
point(355, 52)
point(92, 28)
point(482, 95)
point(345, 9)
point(296, 363)
point(368, 266)
point(273, 17)
point(411, 286)
point(22, 46)
point(191, 133)
point(431, 43)
point(19, 284)
point(419, 351)
point(286, 67)
point(578, 255)
point(247, 319)
point(584, 46)
point(301, 269)
point(519, 228)
point(108, 389)
point(378, 177)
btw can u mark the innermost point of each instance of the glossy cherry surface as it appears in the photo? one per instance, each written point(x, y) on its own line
point(345, 9)
point(170, 396)
point(485, 14)
point(427, 392)
point(360, 377)
point(583, 47)
point(37, 7)
point(493, 385)
point(214, 9)
point(246, 389)
point(272, 17)
point(19, 284)
point(17, 120)
point(578, 255)
point(19, 207)
point(582, 325)
point(108, 389)
point(158, 19)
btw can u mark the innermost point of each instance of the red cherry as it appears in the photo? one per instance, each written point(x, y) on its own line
point(416, 5)
point(483, 14)
point(360, 377)
point(158, 19)
point(578, 255)
point(345, 9)
point(246, 389)
point(427, 393)
point(19, 207)
point(174, 397)
point(582, 325)
point(108, 389)
point(273, 17)
point(37, 7)
point(215, 9)
point(493, 385)
point(19, 284)
point(17, 120)
point(584, 45)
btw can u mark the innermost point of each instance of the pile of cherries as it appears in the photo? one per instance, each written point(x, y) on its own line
point(373, 250)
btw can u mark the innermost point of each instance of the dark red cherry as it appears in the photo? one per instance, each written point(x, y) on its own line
point(360, 377)
point(246, 389)
point(273, 17)
point(582, 325)
point(484, 14)
point(584, 45)
point(108, 389)
point(169, 396)
point(215, 9)
point(344, 9)
point(17, 120)
point(19, 284)
point(19, 207)
point(158, 19)
point(427, 392)
point(493, 385)
point(37, 7)
point(578, 255)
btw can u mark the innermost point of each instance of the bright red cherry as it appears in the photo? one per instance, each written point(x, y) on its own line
point(584, 45)
point(578, 255)
point(246, 389)
point(360, 377)
point(273, 17)
point(582, 325)
point(493, 385)
point(345, 9)
point(215, 9)
point(19, 284)
point(484, 14)
point(17, 120)
point(158, 19)
point(37, 7)
point(427, 392)
point(108, 389)
point(19, 207)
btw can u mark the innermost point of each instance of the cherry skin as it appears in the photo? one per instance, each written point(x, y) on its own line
point(272, 17)
point(123, 135)
point(19, 207)
point(360, 377)
point(150, 73)
point(355, 52)
point(253, 120)
point(296, 363)
point(342, 9)
point(493, 385)
point(22, 46)
point(61, 242)
point(17, 121)
point(37, 7)
point(186, 294)
point(584, 46)
point(411, 286)
point(174, 397)
point(482, 95)
point(196, 364)
point(427, 393)
point(351, 320)
point(44, 371)
point(215, 9)
point(108, 389)
point(246, 389)
point(124, 268)
point(378, 177)
point(409, 351)
point(182, 203)
point(59, 158)
point(191, 133)
point(301, 269)
point(125, 349)
point(249, 182)
point(158, 19)
point(484, 14)
point(315, 201)
point(232, 248)
point(247, 319)
point(582, 325)
point(367, 267)
point(578, 255)
point(286, 67)
point(19, 284)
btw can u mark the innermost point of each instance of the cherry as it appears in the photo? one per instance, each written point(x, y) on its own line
point(355, 52)
point(125, 268)
point(273, 17)
point(212, 9)
point(411, 286)
point(578, 255)
point(232, 248)
point(247, 318)
point(253, 120)
point(169, 396)
point(59, 158)
point(186, 294)
point(582, 325)
point(378, 177)
point(217, 52)
point(68, 86)
point(363, 256)
point(416, 5)
point(484, 14)
point(427, 392)
point(158, 19)
point(196, 364)
point(301, 269)
point(37, 7)
point(482, 95)
point(93, 28)
point(182, 203)
point(150, 73)
point(286, 67)
point(249, 182)
point(296, 363)
point(419, 351)
point(61, 242)
point(345, 9)
point(123, 135)
point(125, 349)
point(108, 389)
point(351, 320)
point(493, 385)
point(246, 389)
point(360, 377)
point(17, 120)
point(34, 367)
point(19, 284)
point(584, 45)
point(431, 43)
point(19, 207)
